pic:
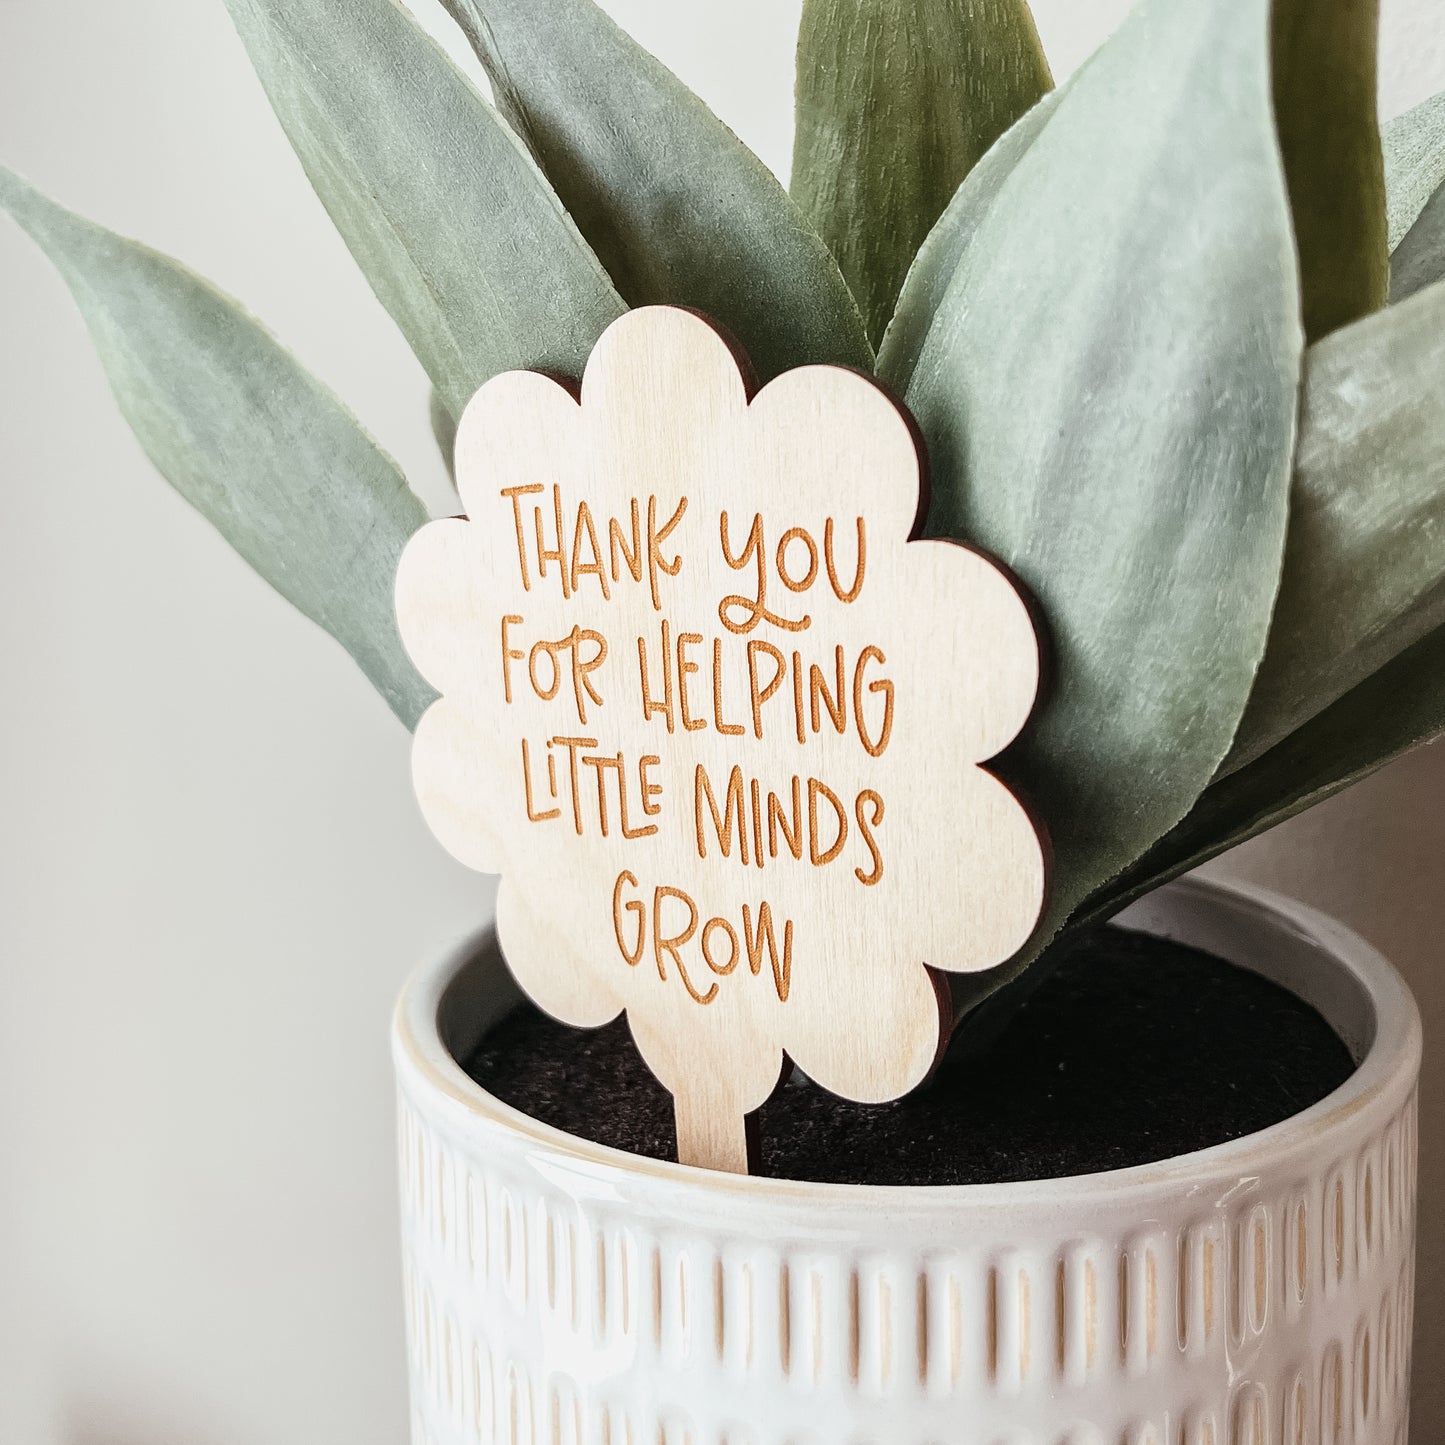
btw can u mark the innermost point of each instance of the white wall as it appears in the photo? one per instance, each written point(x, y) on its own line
point(213, 875)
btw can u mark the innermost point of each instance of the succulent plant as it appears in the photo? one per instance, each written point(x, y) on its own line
point(1174, 334)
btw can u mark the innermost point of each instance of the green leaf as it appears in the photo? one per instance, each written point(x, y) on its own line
point(1400, 706)
point(1419, 259)
point(679, 210)
point(444, 432)
point(247, 436)
point(1109, 404)
point(1325, 102)
point(938, 257)
point(1414, 149)
point(897, 101)
point(448, 216)
point(1364, 568)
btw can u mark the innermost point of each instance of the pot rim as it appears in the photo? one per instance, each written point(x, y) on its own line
point(1382, 1080)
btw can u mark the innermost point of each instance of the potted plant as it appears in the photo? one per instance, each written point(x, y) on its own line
point(1171, 334)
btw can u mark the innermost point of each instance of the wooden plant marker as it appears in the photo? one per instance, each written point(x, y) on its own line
point(717, 721)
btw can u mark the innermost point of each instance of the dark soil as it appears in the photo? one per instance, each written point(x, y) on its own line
point(1131, 1049)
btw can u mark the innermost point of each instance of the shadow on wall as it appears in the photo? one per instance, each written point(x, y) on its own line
point(96, 1420)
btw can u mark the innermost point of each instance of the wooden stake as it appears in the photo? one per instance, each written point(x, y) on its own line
point(712, 1133)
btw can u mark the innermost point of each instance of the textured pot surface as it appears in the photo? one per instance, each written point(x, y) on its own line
point(1255, 1293)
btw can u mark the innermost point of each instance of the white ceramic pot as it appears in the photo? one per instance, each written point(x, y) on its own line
point(1255, 1293)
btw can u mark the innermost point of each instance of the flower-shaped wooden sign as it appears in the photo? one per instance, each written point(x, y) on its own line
point(717, 720)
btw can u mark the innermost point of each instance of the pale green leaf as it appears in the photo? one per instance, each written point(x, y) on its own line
point(1325, 104)
point(1419, 259)
point(679, 210)
point(1389, 713)
point(444, 431)
point(448, 216)
point(1109, 405)
point(897, 101)
point(1414, 148)
point(248, 437)
point(938, 257)
point(1364, 569)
